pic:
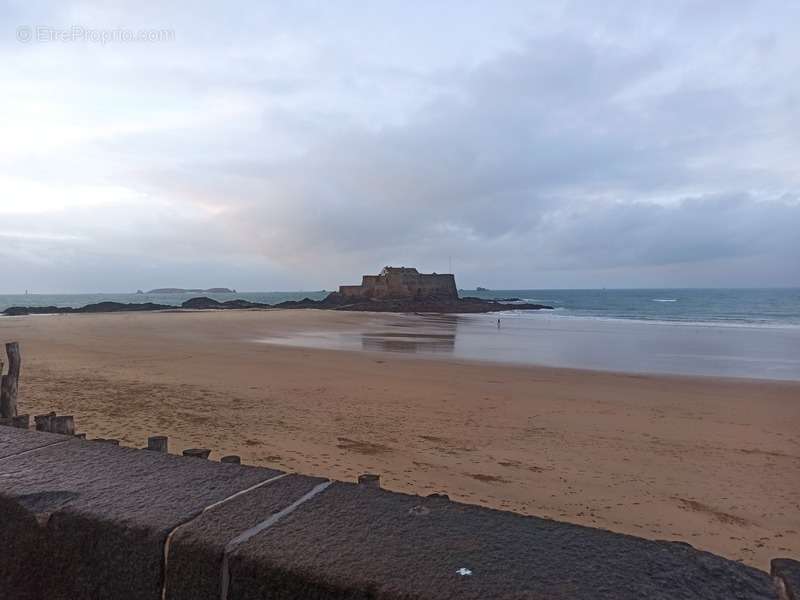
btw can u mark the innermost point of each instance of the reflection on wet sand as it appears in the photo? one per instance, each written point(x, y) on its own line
point(612, 345)
point(443, 340)
point(398, 342)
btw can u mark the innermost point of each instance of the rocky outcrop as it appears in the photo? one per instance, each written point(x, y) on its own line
point(430, 304)
point(100, 307)
point(334, 301)
point(204, 303)
point(331, 301)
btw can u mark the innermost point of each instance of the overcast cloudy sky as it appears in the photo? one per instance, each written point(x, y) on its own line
point(296, 145)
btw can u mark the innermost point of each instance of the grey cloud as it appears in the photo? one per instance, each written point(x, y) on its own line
point(654, 147)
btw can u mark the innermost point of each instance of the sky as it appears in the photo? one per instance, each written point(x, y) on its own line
point(297, 145)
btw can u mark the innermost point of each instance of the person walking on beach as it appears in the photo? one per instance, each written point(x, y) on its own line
point(498, 323)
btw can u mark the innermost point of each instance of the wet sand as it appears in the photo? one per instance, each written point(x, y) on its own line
point(712, 462)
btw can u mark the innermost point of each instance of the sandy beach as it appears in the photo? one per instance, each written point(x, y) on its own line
point(709, 461)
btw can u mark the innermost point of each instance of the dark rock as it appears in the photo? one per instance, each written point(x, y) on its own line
point(204, 303)
point(429, 304)
point(304, 303)
point(244, 304)
point(100, 307)
point(105, 307)
point(15, 311)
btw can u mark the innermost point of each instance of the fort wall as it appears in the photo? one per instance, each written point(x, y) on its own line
point(402, 282)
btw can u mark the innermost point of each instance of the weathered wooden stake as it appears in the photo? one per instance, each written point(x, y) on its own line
point(157, 443)
point(65, 425)
point(232, 458)
point(197, 452)
point(21, 421)
point(111, 441)
point(44, 422)
point(9, 385)
point(369, 480)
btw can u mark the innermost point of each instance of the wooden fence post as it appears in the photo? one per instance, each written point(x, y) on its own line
point(197, 452)
point(157, 443)
point(44, 422)
point(8, 387)
point(65, 425)
point(369, 480)
point(21, 421)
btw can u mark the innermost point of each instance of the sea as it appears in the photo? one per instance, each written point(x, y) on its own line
point(776, 307)
point(753, 333)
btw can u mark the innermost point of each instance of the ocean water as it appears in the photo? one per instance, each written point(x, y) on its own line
point(776, 307)
point(755, 307)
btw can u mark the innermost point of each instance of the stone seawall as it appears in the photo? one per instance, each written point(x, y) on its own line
point(89, 520)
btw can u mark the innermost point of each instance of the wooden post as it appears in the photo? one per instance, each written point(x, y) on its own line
point(232, 458)
point(65, 425)
point(157, 443)
point(8, 388)
point(21, 421)
point(197, 452)
point(369, 480)
point(111, 441)
point(44, 422)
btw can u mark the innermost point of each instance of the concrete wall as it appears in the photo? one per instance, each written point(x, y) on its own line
point(89, 520)
point(402, 282)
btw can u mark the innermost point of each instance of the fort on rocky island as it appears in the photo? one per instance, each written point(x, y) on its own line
point(402, 283)
point(396, 289)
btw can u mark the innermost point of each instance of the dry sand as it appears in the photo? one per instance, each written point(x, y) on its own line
point(712, 462)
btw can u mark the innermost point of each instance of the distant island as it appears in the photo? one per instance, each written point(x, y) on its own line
point(482, 289)
point(217, 290)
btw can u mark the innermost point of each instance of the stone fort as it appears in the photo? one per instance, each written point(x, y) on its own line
point(402, 282)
